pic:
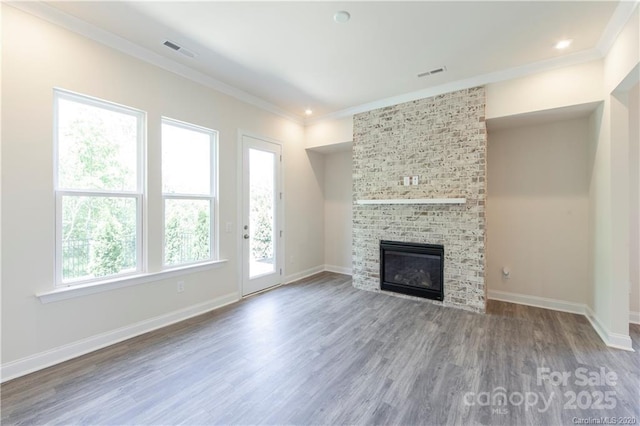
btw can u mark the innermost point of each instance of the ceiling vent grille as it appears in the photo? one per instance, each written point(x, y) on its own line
point(173, 46)
point(432, 72)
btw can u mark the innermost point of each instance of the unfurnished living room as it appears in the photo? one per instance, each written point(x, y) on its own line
point(358, 213)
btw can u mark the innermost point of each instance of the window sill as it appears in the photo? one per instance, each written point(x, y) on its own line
point(120, 282)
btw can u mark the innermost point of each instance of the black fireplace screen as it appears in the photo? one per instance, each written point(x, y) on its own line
point(412, 268)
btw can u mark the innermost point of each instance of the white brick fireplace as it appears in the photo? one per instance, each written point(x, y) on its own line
point(442, 140)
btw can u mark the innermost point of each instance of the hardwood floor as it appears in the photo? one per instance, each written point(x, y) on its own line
point(321, 352)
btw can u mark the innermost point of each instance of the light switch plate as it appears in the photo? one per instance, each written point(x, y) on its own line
point(407, 181)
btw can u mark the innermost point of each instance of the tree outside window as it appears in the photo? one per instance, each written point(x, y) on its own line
point(98, 188)
point(188, 185)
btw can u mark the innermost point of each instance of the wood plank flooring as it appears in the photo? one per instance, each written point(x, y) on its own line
point(321, 352)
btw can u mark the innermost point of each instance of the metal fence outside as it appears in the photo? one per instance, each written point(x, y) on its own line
point(76, 256)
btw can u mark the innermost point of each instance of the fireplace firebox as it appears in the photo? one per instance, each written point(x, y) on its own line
point(412, 268)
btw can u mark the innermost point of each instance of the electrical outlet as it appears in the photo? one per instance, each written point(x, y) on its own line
point(506, 273)
point(414, 180)
point(180, 286)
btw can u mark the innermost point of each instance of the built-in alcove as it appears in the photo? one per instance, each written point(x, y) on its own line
point(538, 205)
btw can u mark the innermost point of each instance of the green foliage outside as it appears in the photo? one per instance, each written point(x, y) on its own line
point(98, 233)
point(108, 248)
point(187, 232)
point(261, 220)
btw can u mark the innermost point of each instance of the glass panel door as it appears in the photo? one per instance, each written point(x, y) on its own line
point(261, 211)
point(262, 205)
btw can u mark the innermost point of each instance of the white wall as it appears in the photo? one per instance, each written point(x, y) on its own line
point(609, 191)
point(305, 213)
point(537, 210)
point(574, 85)
point(329, 132)
point(38, 56)
point(338, 202)
point(634, 199)
point(608, 159)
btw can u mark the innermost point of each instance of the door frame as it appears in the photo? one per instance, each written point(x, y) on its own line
point(239, 211)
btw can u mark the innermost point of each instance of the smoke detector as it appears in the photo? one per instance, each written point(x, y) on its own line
point(342, 17)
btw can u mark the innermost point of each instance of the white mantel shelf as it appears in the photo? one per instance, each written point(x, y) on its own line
point(416, 201)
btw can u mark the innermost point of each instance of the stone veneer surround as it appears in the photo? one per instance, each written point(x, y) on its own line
point(443, 140)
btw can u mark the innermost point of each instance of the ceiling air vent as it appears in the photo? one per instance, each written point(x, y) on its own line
point(171, 45)
point(432, 72)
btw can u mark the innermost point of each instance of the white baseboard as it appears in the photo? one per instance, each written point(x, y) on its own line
point(23, 366)
point(316, 270)
point(303, 274)
point(614, 340)
point(45, 359)
point(338, 269)
point(538, 302)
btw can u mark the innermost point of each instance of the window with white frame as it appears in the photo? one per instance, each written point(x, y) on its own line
point(99, 188)
point(188, 192)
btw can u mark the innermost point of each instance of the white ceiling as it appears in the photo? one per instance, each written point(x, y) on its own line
point(294, 56)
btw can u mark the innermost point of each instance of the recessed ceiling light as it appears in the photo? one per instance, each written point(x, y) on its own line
point(308, 111)
point(341, 16)
point(563, 44)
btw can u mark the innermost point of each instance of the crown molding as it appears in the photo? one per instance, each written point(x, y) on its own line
point(57, 17)
point(621, 15)
point(617, 22)
point(494, 77)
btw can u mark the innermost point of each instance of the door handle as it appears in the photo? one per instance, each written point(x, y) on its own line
point(246, 236)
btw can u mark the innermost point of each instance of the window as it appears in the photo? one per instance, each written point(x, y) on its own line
point(188, 192)
point(98, 186)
